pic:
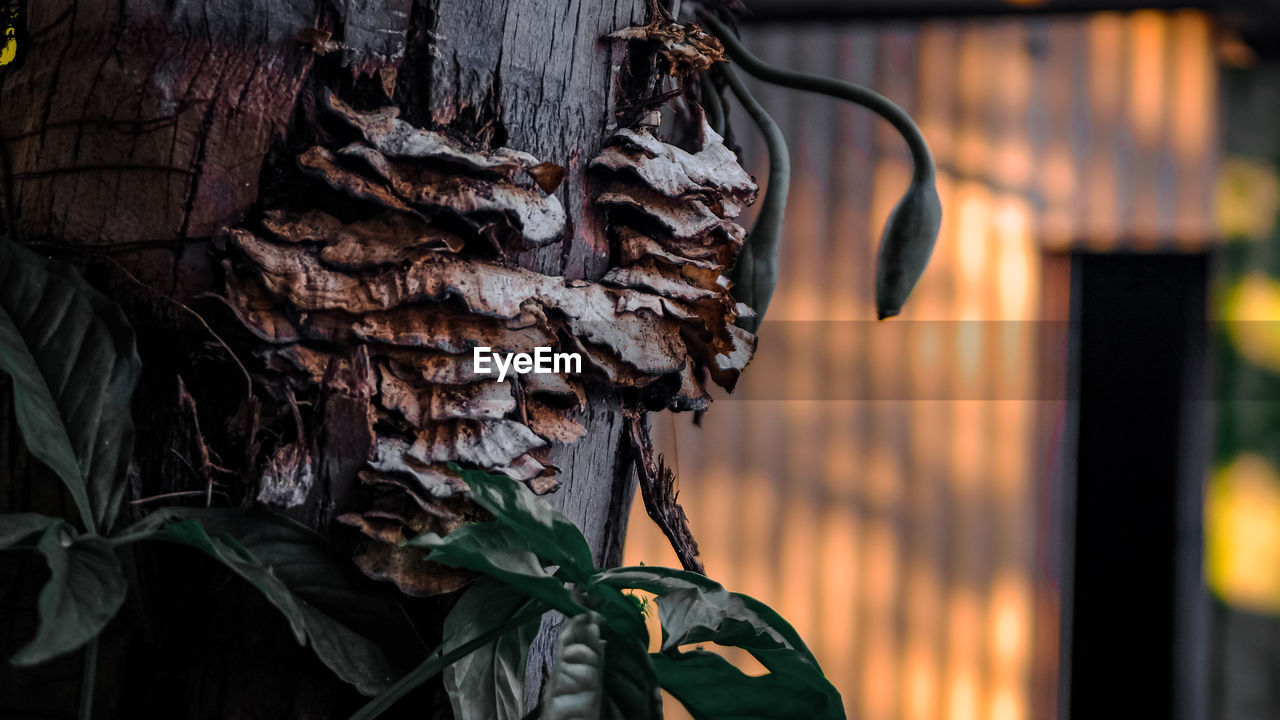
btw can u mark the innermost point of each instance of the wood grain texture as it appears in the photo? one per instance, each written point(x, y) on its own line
point(144, 128)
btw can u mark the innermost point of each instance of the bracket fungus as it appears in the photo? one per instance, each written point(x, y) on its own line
point(395, 286)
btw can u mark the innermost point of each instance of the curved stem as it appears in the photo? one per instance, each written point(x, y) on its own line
point(764, 238)
point(711, 103)
point(88, 680)
point(922, 159)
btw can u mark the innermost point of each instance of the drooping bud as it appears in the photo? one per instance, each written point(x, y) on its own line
point(905, 247)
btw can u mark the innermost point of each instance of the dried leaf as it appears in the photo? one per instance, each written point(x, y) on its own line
point(536, 217)
point(406, 568)
point(687, 284)
point(320, 163)
point(674, 172)
point(548, 176)
point(555, 389)
point(685, 49)
point(647, 343)
point(388, 239)
point(392, 458)
point(635, 247)
point(691, 396)
point(287, 479)
point(555, 424)
point(680, 218)
point(419, 403)
point(396, 138)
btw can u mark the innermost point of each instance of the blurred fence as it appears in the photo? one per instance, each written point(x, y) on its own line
point(891, 489)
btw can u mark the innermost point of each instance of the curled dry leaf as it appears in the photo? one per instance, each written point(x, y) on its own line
point(419, 403)
point(548, 176)
point(393, 137)
point(712, 172)
point(554, 424)
point(684, 49)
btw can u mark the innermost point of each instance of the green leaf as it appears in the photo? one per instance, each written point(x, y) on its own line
point(18, 529)
point(350, 628)
point(575, 690)
point(600, 674)
point(695, 609)
point(499, 551)
point(86, 588)
point(549, 534)
point(439, 659)
point(488, 684)
point(711, 688)
point(70, 354)
point(630, 681)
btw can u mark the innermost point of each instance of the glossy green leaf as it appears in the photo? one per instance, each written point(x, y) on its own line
point(70, 354)
point(712, 688)
point(499, 551)
point(488, 684)
point(86, 588)
point(694, 608)
point(548, 534)
point(349, 624)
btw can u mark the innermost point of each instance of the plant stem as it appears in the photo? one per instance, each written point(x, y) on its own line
point(759, 274)
point(922, 159)
point(88, 680)
point(436, 662)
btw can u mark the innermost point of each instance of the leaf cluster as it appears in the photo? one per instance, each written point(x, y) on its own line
point(69, 356)
point(533, 560)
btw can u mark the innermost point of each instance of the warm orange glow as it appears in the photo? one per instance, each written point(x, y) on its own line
point(921, 686)
point(1016, 255)
point(971, 238)
point(1193, 88)
point(1147, 75)
point(1006, 705)
point(899, 534)
point(1010, 616)
point(1106, 64)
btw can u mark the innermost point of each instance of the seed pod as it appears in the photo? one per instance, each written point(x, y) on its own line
point(912, 229)
point(905, 247)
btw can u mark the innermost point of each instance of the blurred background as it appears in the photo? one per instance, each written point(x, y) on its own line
point(1050, 488)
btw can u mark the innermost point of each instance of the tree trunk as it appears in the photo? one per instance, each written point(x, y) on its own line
point(134, 133)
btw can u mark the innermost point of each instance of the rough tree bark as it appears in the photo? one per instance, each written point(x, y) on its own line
point(138, 130)
point(141, 137)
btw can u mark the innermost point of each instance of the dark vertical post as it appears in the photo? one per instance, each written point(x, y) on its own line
point(1135, 607)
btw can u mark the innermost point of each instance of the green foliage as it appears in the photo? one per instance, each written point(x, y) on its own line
point(575, 690)
point(604, 670)
point(70, 355)
point(85, 589)
point(488, 684)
